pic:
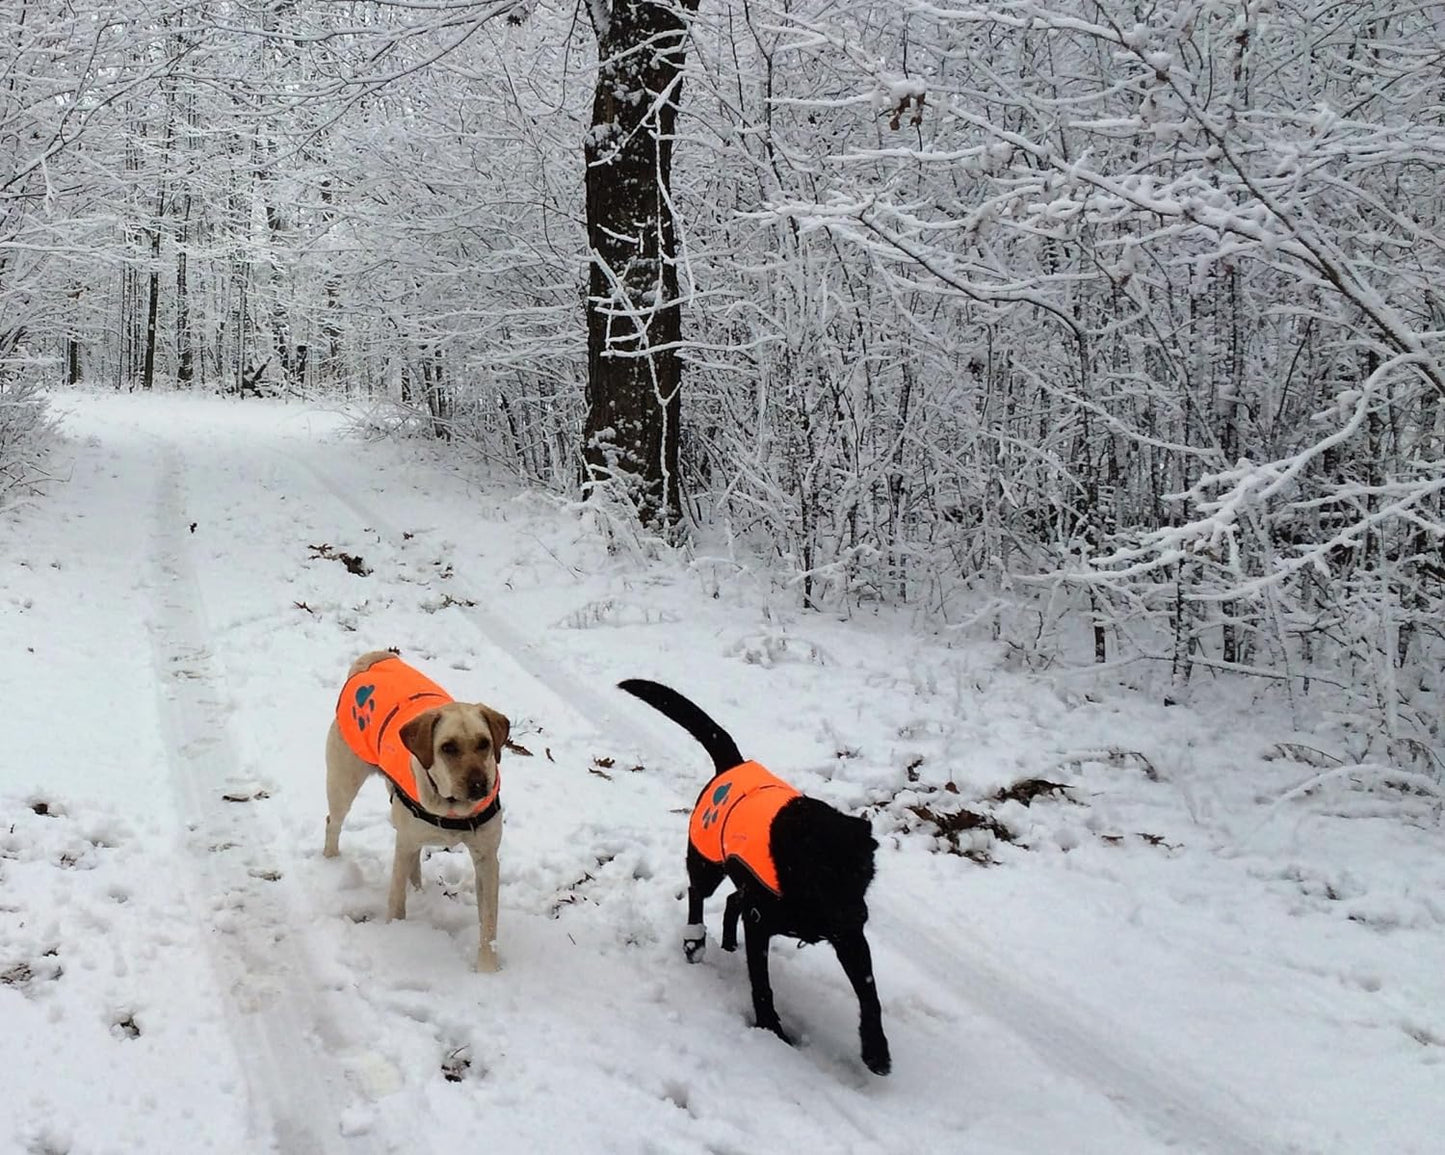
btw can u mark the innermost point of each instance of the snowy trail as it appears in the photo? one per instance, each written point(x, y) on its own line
point(272, 993)
point(582, 713)
point(330, 1030)
point(1178, 1105)
point(225, 484)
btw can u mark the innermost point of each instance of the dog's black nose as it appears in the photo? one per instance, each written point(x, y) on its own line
point(477, 785)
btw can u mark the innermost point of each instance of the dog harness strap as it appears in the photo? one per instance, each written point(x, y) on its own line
point(371, 712)
point(733, 819)
point(490, 807)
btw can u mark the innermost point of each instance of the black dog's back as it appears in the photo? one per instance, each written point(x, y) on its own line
point(714, 739)
point(825, 866)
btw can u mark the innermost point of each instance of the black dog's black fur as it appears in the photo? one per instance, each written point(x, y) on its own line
point(824, 860)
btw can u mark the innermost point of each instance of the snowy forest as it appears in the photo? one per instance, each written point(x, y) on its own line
point(1114, 329)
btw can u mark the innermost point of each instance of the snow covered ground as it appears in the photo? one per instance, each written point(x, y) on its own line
point(1164, 957)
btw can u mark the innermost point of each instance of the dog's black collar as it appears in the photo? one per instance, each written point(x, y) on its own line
point(470, 822)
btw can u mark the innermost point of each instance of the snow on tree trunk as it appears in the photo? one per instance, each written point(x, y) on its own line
point(634, 323)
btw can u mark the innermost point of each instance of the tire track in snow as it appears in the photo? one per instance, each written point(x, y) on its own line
point(285, 1040)
point(1177, 1105)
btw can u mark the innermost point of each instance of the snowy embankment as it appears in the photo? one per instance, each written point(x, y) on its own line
point(1159, 958)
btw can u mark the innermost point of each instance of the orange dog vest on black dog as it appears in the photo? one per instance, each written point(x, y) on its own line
point(374, 705)
point(734, 816)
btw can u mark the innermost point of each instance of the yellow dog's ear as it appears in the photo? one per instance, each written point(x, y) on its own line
point(416, 736)
point(499, 726)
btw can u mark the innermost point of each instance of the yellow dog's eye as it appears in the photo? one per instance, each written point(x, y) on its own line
point(450, 748)
point(483, 745)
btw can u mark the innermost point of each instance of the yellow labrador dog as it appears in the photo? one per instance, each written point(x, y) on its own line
point(440, 759)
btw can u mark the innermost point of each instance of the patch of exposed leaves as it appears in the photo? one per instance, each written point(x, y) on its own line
point(1025, 790)
point(353, 563)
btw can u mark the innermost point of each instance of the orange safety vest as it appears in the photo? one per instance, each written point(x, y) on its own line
point(733, 818)
point(374, 705)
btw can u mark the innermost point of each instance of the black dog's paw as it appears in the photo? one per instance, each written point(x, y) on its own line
point(876, 1057)
point(776, 1026)
point(729, 942)
point(694, 944)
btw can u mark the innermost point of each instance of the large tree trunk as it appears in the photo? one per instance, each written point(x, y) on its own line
point(634, 321)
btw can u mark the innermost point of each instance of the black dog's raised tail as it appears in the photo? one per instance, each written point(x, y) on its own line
point(715, 740)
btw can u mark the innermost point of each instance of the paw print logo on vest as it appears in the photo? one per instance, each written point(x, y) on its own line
point(364, 707)
point(719, 796)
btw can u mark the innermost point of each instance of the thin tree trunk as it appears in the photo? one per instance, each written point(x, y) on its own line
point(185, 356)
point(148, 365)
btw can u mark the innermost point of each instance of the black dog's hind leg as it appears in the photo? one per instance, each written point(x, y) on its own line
point(731, 910)
point(759, 935)
point(703, 878)
point(852, 951)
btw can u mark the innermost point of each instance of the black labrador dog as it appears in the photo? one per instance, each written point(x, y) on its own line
point(800, 868)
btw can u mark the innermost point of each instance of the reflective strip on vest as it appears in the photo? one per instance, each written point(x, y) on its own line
point(733, 819)
point(374, 706)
